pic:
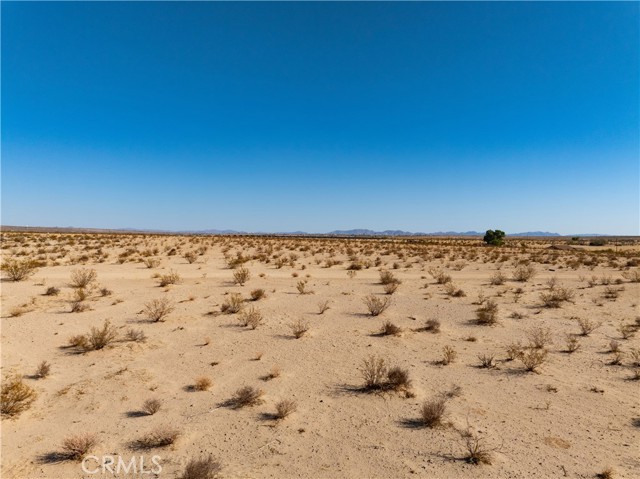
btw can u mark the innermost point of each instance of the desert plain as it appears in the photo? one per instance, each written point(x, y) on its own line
point(317, 357)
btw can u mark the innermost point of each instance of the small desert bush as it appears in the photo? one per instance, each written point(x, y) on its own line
point(158, 309)
point(477, 452)
point(52, 291)
point(203, 468)
point(285, 407)
point(202, 383)
point(170, 278)
point(251, 317)
point(241, 275)
point(299, 328)
point(391, 288)
point(233, 304)
point(257, 294)
point(376, 305)
point(43, 370)
point(16, 396)
point(539, 337)
point(162, 436)
point(82, 278)
point(498, 278)
point(487, 360)
point(524, 273)
point(190, 256)
point(398, 379)
point(555, 297)
point(572, 344)
point(390, 329)
point(151, 262)
point(99, 338)
point(432, 325)
point(136, 335)
point(387, 277)
point(587, 326)
point(302, 287)
point(76, 447)
point(433, 411)
point(18, 270)
point(374, 371)
point(246, 396)
point(532, 359)
point(488, 313)
point(151, 406)
point(632, 275)
point(448, 355)
point(323, 306)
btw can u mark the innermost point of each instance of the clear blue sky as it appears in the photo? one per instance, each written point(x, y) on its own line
point(322, 116)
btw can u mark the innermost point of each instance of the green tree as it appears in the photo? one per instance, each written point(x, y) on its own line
point(494, 238)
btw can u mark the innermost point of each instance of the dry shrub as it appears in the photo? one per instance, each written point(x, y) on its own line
point(374, 370)
point(433, 412)
point(202, 383)
point(246, 396)
point(376, 305)
point(170, 278)
point(398, 379)
point(152, 406)
point(302, 287)
point(323, 306)
point(191, 257)
point(233, 304)
point(285, 407)
point(162, 436)
point(16, 396)
point(390, 329)
point(151, 263)
point(251, 317)
point(477, 452)
point(513, 350)
point(391, 288)
point(52, 291)
point(43, 370)
point(452, 290)
point(99, 338)
point(432, 325)
point(487, 360)
point(299, 328)
point(539, 337)
point(387, 277)
point(498, 278)
point(587, 326)
point(532, 359)
point(136, 335)
point(19, 270)
point(557, 296)
point(448, 355)
point(487, 314)
point(524, 273)
point(241, 275)
point(633, 275)
point(257, 294)
point(607, 473)
point(76, 447)
point(158, 309)
point(572, 344)
point(82, 278)
point(203, 468)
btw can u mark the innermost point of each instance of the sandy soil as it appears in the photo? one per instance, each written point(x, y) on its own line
point(576, 416)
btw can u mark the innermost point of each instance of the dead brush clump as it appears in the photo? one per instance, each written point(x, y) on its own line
point(299, 328)
point(378, 377)
point(376, 305)
point(432, 326)
point(390, 329)
point(170, 278)
point(477, 452)
point(449, 355)
point(203, 468)
point(524, 273)
point(452, 290)
point(246, 396)
point(433, 412)
point(158, 309)
point(202, 383)
point(241, 275)
point(96, 339)
point(251, 317)
point(83, 278)
point(572, 344)
point(162, 436)
point(151, 262)
point(74, 448)
point(16, 396)
point(285, 408)
point(539, 337)
point(151, 406)
point(498, 278)
point(391, 288)
point(487, 314)
point(233, 304)
point(587, 326)
point(532, 359)
point(43, 370)
point(52, 291)
point(136, 335)
point(19, 270)
point(257, 294)
point(555, 297)
point(487, 361)
point(323, 306)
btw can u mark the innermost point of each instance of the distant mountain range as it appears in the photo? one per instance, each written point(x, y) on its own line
point(353, 232)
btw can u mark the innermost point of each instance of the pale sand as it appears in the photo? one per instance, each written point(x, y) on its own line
point(336, 431)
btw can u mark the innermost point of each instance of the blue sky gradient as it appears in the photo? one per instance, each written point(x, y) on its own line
point(321, 116)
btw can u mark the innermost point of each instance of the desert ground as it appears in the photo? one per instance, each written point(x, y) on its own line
point(249, 356)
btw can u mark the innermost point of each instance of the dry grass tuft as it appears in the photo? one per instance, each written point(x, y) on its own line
point(18, 270)
point(433, 412)
point(487, 314)
point(162, 436)
point(158, 309)
point(299, 328)
point(202, 383)
point(285, 407)
point(76, 447)
point(376, 305)
point(152, 406)
point(203, 468)
point(233, 304)
point(246, 396)
point(16, 396)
